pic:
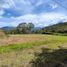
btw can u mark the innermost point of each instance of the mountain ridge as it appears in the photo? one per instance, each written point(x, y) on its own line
point(56, 28)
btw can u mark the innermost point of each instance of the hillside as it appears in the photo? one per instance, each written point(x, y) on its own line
point(7, 28)
point(56, 28)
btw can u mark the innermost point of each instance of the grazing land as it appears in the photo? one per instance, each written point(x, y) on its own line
point(18, 50)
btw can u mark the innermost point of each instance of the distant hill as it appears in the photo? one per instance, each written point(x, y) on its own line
point(7, 28)
point(37, 28)
point(56, 28)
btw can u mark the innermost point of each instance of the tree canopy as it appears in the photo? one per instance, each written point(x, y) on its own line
point(23, 28)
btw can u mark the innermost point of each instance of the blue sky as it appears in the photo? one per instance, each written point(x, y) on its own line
point(39, 12)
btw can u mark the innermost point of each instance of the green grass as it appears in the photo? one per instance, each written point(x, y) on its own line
point(19, 54)
point(52, 41)
point(13, 47)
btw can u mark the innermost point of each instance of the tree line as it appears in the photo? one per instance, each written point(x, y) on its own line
point(29, 28)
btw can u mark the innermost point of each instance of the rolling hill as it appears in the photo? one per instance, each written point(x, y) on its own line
point(7, 28)
point(56, 28)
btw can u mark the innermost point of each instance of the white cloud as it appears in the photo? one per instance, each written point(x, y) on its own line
point(43, 19)
point(53, 6)
point(39, 3)
point(5, 4)
point(1, 12)
point(23, 6)
point(26, 7)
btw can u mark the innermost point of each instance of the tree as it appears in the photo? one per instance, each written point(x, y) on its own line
point(25, 28)
point(30, 27)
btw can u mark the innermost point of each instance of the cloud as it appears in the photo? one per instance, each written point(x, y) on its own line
point(40, 12)
point(40, 2)
point(1, 12)
point(5, 4)
point(43, 19)
point(53, 6)
point(26, 6)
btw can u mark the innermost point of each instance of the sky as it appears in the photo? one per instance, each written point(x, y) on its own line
point(40, 12)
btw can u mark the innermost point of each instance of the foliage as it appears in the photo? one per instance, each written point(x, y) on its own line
point(56, 28)
point(49, 40)
point(23, 28)
point(50, 58)
point(27, 28)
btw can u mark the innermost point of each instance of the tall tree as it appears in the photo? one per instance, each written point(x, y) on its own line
point(25, 28)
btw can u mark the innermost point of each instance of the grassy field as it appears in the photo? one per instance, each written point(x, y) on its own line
point(18, 50)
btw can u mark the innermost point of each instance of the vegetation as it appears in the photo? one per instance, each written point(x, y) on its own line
point(57, 28)
point(23, 28)
point(2, 33)
point(34, 50)
point(50, 58)
point(18, 50)
point(29, 28)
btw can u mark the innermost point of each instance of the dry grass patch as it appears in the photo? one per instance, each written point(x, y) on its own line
point(19, 39)
point(18, 50)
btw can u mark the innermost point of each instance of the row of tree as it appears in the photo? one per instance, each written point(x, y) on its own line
point(29, 28)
